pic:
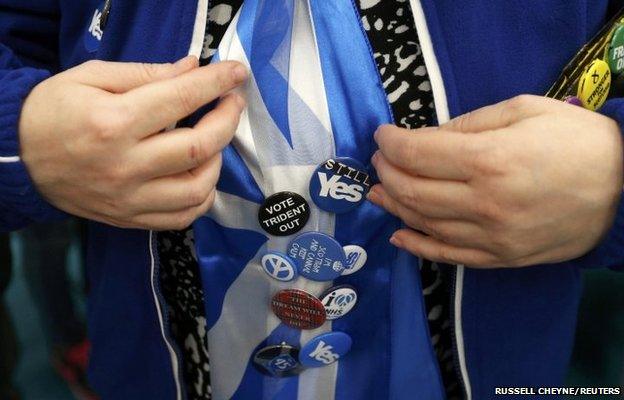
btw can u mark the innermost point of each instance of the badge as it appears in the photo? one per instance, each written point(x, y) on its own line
point(298, 309)
point(325, 349)
point(615, 54)
point(318, 257)
point(278, 361)
point(339, 185)
point(356, 258)
point(339, 301)
point(97, 23)
point(279, 266)
point(284, 214)
point(594, 85)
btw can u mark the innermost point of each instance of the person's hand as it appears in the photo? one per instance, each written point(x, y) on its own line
point(524, 182)
point(92, 140)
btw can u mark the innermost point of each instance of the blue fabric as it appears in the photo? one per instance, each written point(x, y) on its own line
point(518, 325)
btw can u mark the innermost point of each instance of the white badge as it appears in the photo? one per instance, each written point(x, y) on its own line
point(339, 301)
point(356, 258)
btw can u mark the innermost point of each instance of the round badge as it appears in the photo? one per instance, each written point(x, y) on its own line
point(615, 54)
point(93, 35)
point(298, 309)
point(356, 258)
point(284, 214)
point(319, 257)
point(279, 266)
point(339, 301)
point(278, 361)
point(339, 185)
point(594, 85)
point(325, 349)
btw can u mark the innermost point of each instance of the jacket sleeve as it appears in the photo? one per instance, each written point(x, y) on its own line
point(28, 55)
point(610, 251)
point(20, 204)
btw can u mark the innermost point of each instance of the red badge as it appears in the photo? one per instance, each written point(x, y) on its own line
point(298, 309)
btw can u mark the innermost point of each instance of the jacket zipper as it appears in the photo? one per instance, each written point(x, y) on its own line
point(457, 332)
point(163, 318)
point(442, 110)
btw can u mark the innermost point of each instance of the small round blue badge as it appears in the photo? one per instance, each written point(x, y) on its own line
point(325, 349)
point(339, 185)
point(279, 266)
point(319, 257)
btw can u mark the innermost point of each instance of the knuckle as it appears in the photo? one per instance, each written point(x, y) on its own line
point(198, 151)
point(186, 97)
point(197, 195)
point(489, 211)
point(488, 159)
point(96, 65)
point(149, 72)
point(110, 122)
point(519, 103)
point(409, 195)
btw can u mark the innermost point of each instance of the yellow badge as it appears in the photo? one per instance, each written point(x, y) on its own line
point(594, 85)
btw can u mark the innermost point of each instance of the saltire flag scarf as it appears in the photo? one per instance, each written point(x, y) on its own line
point(314, 94)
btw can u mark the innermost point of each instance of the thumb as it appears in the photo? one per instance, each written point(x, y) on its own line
point(121, 77)
point(497, 116)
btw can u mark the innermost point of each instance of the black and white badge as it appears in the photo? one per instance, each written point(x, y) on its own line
point(284, 214)
point(339, 301)
point(339, 185)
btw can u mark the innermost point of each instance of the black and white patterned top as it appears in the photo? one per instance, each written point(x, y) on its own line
point(392, 34)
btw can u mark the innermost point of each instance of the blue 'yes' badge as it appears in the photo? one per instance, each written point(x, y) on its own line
point(319, 257)
point(325, 349)
point(339, 185)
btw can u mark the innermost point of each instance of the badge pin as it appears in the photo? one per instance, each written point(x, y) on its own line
point(278, 361)
point(298, 309)
point(318, 256)
point(356, 259)
point(339, 301)
point(278, 266)
point(325, 349)
point(284, 214)
point(339, 185)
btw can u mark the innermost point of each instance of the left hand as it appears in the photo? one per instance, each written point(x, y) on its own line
point(527, 181)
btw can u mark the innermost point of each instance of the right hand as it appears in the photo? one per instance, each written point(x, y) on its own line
point(92, 140)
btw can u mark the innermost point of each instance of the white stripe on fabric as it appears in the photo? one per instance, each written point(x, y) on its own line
point(199, 29)
point(174, 359)
point(459, 334)
point(433, 68)
point(442, 111)
point(8, 160)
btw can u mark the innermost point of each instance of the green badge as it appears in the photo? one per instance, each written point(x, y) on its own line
point(616, 51)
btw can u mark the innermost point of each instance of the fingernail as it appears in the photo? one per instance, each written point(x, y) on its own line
point(395, 241)
point(375, 158)
point(240, 73)
point(376, 135)
point(374, 195)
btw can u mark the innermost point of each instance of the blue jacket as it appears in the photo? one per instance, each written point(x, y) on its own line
point(512, 327)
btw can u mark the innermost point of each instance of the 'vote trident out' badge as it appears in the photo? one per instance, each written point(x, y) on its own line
point(284, 214)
